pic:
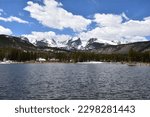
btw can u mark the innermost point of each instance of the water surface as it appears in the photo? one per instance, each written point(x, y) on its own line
point(74, 81)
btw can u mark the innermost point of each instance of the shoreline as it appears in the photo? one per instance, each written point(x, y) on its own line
point(131, 63)
point(89, 62)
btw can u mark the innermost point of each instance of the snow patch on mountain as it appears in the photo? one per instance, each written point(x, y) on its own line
point(67, 42)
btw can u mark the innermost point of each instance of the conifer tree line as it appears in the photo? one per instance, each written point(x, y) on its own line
point(20, 55)
point(75, 56)
point(132, 56)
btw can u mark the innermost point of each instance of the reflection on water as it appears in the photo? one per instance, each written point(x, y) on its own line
point(74, 81)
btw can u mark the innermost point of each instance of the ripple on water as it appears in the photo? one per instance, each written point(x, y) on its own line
point(74, 81)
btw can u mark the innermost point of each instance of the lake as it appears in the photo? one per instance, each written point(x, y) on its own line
point(74, 81)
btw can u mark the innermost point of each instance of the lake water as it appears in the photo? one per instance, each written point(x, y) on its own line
point(74, 81)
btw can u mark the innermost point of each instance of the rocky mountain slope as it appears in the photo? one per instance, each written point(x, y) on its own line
point(15, 42)
point(124, 48)
point(93, 45)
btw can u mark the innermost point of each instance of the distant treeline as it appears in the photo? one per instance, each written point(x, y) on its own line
point(76, 56)
point(132, 56)
point(20, 55)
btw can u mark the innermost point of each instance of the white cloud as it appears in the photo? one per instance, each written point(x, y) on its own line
point(52, 15)
point(136, 28)
point(107, 30)
point(1, 11)
point(112, 28)
point(107, 19)
point(4, 30)
point(13, 18)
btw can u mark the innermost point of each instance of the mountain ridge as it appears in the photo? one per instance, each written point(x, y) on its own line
point(93, 45)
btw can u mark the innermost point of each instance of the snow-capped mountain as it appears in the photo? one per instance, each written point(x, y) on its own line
point(46, 43)
point(93, 44)
point(73, 43)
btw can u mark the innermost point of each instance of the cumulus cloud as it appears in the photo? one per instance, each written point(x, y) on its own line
point(111, 27)
point(107, 19)
point(1, 11)
point(13, 18)
point(52, 15)
point(136, 28)
point(4, 30)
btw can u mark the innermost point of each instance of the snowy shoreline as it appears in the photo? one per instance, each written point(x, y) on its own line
point(90, 62)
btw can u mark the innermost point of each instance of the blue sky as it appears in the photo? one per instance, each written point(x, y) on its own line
point(135, 10)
